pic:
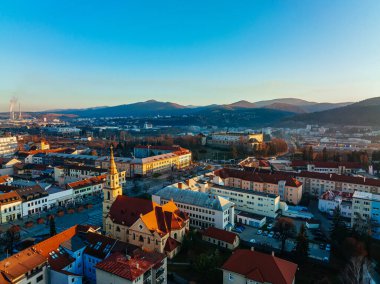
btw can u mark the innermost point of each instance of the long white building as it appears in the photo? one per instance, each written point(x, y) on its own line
point(8, 146)
point(205, 210)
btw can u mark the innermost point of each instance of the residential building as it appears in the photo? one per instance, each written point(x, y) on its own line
point(59, 196)
point(8, 146)
point(327, 167)
point(221, 238)
point(205, 210)
point(318, 183)
point(366, 212)
point(142, 222)
point(6, 166)
point(255, 202)
point(329, 200)
point(249, 266)
point(288, 188)
point(10, 207)
point(70, 173)
point(87, 187)
point(34, 200)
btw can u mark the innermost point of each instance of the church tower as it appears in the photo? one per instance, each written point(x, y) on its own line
point(112, 188)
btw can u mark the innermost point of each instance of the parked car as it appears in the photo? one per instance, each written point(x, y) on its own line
point(277, 235)
point(259, 232)
point(265, 233)
point(325, 259)
point(270, 226)
point(271, 234)
point(253, 241)
point(237, 230)
point(322, 246)
point(240, 227)
point(328, 247)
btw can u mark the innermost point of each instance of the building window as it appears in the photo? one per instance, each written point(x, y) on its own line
point(117, 229)
point(230, 277)
point(39, 278)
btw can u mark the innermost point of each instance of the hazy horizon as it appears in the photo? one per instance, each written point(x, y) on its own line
point(57, 55)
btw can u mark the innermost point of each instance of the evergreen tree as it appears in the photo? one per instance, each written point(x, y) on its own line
point(324, 155)
point(53, 230)
point(302, 246)
point(338, 230)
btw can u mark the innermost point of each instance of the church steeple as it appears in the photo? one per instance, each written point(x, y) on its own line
point(112, 189)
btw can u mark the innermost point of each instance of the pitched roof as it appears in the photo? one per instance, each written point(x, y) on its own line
point(272, 178)
point(261, 267)
point(87, 182)
point(125, 267)
point(34, 192)
point(4, 179)
point(126, 210)
point(9, 197)
point(219, 234)
point(321, 164)
point(171, 244)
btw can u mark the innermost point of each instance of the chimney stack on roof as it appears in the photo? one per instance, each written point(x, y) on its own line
point(252, 249)
point(272, 253)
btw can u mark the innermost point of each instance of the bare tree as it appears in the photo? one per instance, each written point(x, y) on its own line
point(356, 271)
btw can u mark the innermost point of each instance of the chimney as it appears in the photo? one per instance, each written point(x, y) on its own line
point(272, 253)
point(180, 185)
point(137, 266)
point(252, 249)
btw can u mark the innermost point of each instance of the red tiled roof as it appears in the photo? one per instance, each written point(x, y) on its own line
point(219, 234)
point(272, 178)
point(126, 210)
point(261, 267)
point(4, 179)
point(10, 197)
point(339, 178)
point(124, 267)
point(87, 182)
point(171, 244)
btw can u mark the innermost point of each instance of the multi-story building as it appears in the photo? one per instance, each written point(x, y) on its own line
point(8, 146)
point(366, 212)
point(205, 210)
point(71, 173)
point(10, 207)
point(228, 139)
point(330, 200)
point(318, 183)
point(288, 188)
point(255, 202)
point(139, 221)
point(249, 266)
point(34, 200)
point(87, 187)
point(327, 167)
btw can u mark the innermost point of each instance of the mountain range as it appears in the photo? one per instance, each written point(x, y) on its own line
point(153, 108)
point(280, 112)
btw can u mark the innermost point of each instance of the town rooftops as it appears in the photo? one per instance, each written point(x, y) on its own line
point(195, 198)
point(220, 234)
point(340, 178)
point(5, 179)
point(331, 195)
point(163, 148)
point(261, 267)
point(272, 178)
point(9, 197)
point(87, 182)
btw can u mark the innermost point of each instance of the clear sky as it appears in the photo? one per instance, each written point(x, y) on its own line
point(70, 54)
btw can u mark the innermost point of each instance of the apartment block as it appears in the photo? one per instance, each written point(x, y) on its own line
point(8, 146)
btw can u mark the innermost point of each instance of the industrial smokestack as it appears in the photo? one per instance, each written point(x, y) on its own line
point(12, 104)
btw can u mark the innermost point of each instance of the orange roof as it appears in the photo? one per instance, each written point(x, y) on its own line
point(9, 197)
point(4, 179)
point(88, 182)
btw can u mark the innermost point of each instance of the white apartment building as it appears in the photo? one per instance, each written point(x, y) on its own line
point(366, 211)
point(34, 200)
point(8, 146)
point(10, 207)
point(205, 210)
point(87, 187)
point(328, 201)
point(259, 203)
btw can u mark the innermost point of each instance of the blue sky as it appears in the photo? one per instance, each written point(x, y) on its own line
point(61, 54)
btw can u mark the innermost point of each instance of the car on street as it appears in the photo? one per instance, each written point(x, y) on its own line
point(240, 227)
point(328, 247)
point(271, 234)
point(325, 259)
point(270, 226)
point(253, 241)
point(265, 233)
point(237, 230)
point(259, 232)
